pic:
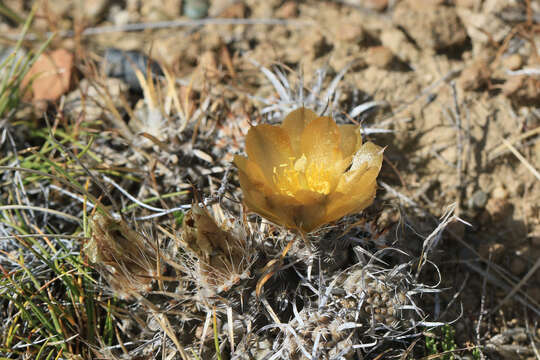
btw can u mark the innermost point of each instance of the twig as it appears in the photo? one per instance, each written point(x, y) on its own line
point(518, 286)
point(37, 208)
point(499, 150)
point(522, 159)
point(459, 164)
point(524, 71)
point(175, 24)
point(527, 301)
point(482, 309)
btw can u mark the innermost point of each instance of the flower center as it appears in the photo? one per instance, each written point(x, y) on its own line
point(299, 175)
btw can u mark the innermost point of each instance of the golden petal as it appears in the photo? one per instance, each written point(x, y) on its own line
point(268, 146)
point(294, 125)
point(279, 209)
point(355, 191)
point(309, 215)
point(320, 140)
point(351, 139)
point(369, 154)
point(252, 171)
point(320, 144)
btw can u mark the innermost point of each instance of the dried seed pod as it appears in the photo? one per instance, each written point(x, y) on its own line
point(222, 256)
point(126, 259)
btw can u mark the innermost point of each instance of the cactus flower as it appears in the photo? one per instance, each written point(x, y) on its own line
point(308, 171)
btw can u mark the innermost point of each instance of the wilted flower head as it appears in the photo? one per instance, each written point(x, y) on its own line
point(125, 257)
point(222, 256)
point(300, 175)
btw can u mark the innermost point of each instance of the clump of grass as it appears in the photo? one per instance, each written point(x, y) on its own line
point(48, 296)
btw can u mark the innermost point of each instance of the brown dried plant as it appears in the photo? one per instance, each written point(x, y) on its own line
point(126, 259)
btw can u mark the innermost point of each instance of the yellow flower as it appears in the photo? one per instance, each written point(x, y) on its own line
point(307, 172)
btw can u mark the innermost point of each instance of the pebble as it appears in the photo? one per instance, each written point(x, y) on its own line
point(119, 64)
point(235, 11)
point(395, 40)
point(195, 9)
point(499, 193)
point(288, 10)
point(50, 75)
point(512, 62)
point(379, 56)
point(95, 9)
point(377, 5)
point(475, 76)
point(349, 32)
point(478, 200)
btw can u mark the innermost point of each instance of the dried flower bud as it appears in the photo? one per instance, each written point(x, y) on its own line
point(124, 257)
point(222, 256)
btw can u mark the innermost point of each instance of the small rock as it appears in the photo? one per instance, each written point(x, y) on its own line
point(499, 193)
point(94, 9)
point(398, 43)
point(379, 56)
point(122, 64)
point(50, 76)
point(235, 11)
point(288, 10)
point(478, 200)
point(523, 89)
point(120, 16)
point(475, 76)
point(377, 5)
point(195, 9)
point(512, 62)
point(499, 209)
point(435, 27)
point(349, 32)
point(512, 85)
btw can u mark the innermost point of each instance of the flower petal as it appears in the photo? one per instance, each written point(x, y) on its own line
point(320, 140)
point(351, 139)
point(294, 125)
point(279, 209)
point(310, 214)
point(320, 144)
point(268, 146)
point(369, 154)
point(253, 172)
point(354, 193)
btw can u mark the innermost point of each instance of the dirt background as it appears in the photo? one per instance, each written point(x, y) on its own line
point(456, 84)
